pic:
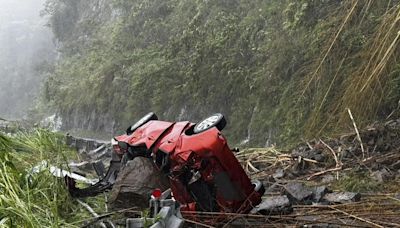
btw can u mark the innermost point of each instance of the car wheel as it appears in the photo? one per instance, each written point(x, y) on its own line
point(216, 120)
point(149, 116)
point(258, 187)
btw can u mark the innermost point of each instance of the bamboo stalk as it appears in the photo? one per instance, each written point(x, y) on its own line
point(323, 172)
point(87, 207)
point(358, 218)
point(357, 132)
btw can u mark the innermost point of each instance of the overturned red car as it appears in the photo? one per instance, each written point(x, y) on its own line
point(203, 172)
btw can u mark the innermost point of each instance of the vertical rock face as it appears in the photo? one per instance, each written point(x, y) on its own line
point(91, 120)
point(75, 24)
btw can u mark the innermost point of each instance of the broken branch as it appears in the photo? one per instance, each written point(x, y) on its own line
point(323, 172)
point(357, 132)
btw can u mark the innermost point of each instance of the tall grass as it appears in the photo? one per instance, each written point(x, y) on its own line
point(362, 77)
point(368, 86)
point(35, 199)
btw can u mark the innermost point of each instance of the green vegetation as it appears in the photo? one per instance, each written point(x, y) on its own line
point(358, 182)
point(279, 70)
point(362, 181)
point(30, 199)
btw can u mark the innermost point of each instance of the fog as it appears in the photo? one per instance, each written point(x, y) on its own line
point(26, 51)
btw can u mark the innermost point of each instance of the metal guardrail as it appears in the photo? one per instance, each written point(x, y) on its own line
point(96, 154)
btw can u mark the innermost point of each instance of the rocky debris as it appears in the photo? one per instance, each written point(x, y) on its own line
point(319, 192)
point(325, 160)
point(342, 197)
point(274, 205)
point(279, 173)
point(298, 192)
point(135, 183)
point(317, 153)
point(380, 145)
point(381, 175)
point(327, 179)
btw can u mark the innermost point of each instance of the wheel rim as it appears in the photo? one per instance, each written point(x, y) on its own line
point(207, 123)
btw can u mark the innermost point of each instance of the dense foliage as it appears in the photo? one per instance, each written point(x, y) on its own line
point(279, 70)
point(36, 198)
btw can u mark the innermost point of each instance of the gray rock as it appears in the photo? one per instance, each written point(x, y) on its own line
point(135, 183)
point(274, 205)
point(319, 192)
point(342, 197)
point(397, 196)
point(279, 173)
point(298, 192)
point(381, 175)
point(319, 157)
point(328, 179)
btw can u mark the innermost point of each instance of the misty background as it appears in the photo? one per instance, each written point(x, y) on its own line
point(26, 54)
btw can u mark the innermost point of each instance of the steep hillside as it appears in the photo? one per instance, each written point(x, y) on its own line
point(279, 70)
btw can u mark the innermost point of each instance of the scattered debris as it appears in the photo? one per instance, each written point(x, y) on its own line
point(327, 179)
point(325, 159)
point(274, 205)
point(292, 199)
point(381, 175)
point(342, 197)
point(101, 223)
point(57, 172)
point(298, 192)
point(319, 192)
point(279, 173)
point(89, 148)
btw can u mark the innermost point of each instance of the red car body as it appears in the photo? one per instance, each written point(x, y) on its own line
point(203, 171)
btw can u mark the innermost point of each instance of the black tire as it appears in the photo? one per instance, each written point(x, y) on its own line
point(149, 116)
point(258, 187)
point(216, 120)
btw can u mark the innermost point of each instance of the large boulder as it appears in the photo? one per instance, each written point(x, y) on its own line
point(135, 183)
